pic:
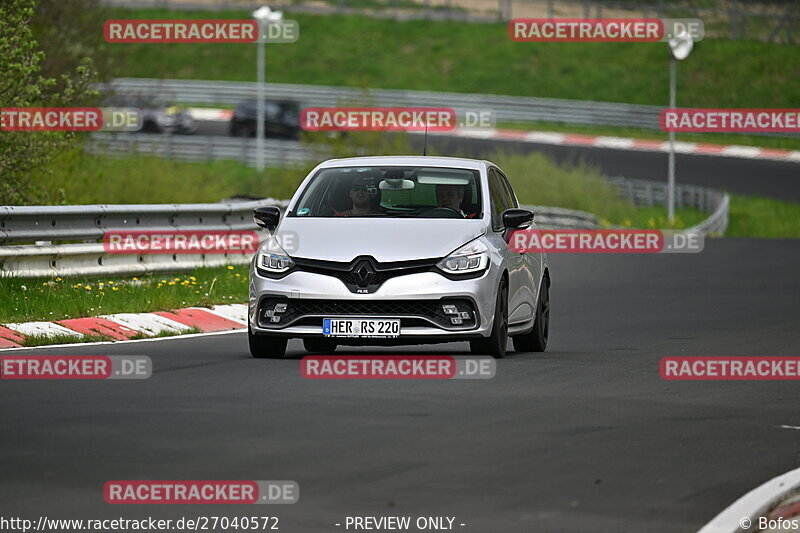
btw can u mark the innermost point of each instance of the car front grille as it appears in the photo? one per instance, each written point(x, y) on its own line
point(364, 275)
point(308, 312)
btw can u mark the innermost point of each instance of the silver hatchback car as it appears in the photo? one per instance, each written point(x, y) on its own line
point(398, 250)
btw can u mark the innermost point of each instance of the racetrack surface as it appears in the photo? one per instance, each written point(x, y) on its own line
point(585, 437)
point(755, 177)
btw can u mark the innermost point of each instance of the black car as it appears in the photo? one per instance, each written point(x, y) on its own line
point(281, 119)
point(157, 116)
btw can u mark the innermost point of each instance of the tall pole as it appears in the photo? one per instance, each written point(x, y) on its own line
point(671, 167)
point(260, 99)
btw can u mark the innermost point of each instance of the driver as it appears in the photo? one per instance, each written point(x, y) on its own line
point(363, 194)
point(450, 197)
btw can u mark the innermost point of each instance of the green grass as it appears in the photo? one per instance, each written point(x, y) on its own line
point(78, 178)
point(45, 340)
point(360, 51)
point(58, 298)
point(752, 216)
point(783, 143)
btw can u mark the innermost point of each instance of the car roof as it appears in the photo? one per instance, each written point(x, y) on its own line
point(414, 160)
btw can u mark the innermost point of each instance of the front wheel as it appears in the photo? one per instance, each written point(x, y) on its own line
point(266, 346)
point(536, 340)
point(495, 344)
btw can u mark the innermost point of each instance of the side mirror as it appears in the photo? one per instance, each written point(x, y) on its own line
point(517, 218)
point(267, 217)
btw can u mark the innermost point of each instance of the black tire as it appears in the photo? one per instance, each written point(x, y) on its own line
point(536, 340)
point(495, 344)
point(319, 345)
point(266, 346)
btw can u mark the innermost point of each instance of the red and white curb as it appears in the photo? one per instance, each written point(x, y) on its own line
point(124, 326)
point(775, 499)
point(572, 139)
point(624, 143)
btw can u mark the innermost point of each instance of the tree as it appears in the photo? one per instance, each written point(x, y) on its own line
point(23, 85)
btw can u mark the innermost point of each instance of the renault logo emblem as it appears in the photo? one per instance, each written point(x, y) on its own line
point(364, 273)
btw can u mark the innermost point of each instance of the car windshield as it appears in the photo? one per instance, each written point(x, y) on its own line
point(392, 191)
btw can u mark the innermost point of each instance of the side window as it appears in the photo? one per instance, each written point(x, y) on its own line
point(511, 200)
point(499, 199)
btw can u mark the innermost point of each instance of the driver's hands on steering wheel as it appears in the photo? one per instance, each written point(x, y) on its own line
point(445, 208)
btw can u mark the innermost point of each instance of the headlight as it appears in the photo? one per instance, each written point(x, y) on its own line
point(472, 257)
point(273, 258)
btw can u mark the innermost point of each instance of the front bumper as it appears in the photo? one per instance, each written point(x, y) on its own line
point(414, 298)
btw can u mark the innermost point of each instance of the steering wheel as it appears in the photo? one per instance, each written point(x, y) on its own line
point(444, 212)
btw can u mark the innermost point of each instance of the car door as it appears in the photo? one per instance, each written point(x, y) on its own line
point(523, 269)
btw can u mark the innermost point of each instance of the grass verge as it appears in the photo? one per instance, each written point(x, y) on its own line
point(28, 299)
point(753, 216)
point(360, 51)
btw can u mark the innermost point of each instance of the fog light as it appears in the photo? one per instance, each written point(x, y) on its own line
point(275, 319)
point(456, 320)
point(450, 309)
point(465, 315)
point(280, 308)
point(268, 312)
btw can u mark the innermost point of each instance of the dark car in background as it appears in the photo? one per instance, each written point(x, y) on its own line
point(157, 115)
point(281, 119)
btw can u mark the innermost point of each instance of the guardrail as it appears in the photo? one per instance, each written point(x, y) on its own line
point(652, 193)
point(190, 148)
point(45, 225)
point(505, 108)
point(63, 225)
point(54, 230)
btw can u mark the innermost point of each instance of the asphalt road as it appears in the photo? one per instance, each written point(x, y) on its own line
point(757, 177)
point(585, 437)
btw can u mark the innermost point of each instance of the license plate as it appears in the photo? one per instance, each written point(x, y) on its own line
point(361, 327)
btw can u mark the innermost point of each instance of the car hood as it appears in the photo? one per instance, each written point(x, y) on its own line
point(385, 239)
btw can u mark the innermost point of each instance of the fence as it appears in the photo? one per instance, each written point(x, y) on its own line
point(771, 21)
